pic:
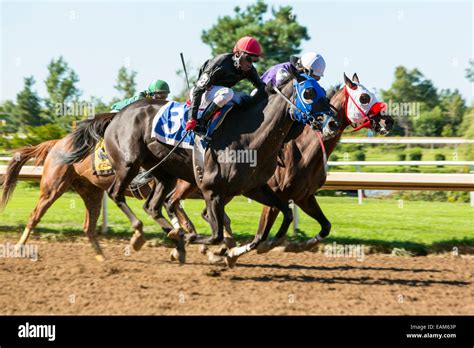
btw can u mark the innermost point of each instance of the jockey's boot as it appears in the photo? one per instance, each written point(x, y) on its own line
point(201, 127)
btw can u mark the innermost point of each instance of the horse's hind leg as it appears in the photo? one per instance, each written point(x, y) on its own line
point(92, 197)
point(123, 178)
point(54, 182)
point(153, 206)
point(178, 216)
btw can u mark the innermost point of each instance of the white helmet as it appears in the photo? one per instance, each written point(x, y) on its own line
point(314, 63)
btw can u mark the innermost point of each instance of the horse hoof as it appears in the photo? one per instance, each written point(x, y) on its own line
point(231, 261)
point(179, 256)
point(222, 251)
point(291, 248)
point(310, 244)
point(264, 247)
point(100, 258)
point(203, 249)
point(137, 242)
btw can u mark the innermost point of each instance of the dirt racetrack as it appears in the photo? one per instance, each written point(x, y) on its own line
point(67, 279)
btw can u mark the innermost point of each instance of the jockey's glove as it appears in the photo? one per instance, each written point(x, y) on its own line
point(191, 124)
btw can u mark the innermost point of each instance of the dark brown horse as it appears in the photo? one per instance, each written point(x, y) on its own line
point(261, 128)
point(299, 176)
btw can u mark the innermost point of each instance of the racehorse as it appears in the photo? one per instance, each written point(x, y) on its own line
point(301, 172)
point(57, 178)
point(261, 127)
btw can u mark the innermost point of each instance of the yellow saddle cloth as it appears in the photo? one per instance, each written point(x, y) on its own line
point(100, 160)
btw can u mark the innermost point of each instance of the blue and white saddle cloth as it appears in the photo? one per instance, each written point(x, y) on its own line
point(169, 124)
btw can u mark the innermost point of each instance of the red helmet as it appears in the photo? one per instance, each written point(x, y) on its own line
point(248, 44)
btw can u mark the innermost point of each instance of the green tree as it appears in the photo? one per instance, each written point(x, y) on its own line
point(470, 71)
point(280, 35)
point(126, 84)
point(467, 121)
point(467, 129)
point(99, 105)
point(430, 123)
point(9, 124)
point(61, 86)
point(410, 87)
point(454, 107)
point(28, 109)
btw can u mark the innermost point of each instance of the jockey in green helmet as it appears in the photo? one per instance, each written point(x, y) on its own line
point(158, 90)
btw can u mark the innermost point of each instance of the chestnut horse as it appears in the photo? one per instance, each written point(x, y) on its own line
point(58, 178)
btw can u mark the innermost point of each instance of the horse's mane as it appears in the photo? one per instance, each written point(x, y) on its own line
point(333, 90)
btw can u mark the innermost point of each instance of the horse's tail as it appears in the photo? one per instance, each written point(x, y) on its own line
point(21, 156)
point(85, 137)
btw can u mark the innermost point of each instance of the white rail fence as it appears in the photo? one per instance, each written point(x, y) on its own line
point(359, 180)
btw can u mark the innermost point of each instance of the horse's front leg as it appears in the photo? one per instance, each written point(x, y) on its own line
point(311, 207)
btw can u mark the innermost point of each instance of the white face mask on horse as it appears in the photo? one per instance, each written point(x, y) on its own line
point(361, 104)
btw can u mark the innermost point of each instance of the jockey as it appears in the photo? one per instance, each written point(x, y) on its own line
point(310, 63)
point(158, 90)
point(216, 77)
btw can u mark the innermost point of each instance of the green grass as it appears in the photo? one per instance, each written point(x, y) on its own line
point(418, 226)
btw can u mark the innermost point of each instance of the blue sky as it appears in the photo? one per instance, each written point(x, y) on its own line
point(97, 38)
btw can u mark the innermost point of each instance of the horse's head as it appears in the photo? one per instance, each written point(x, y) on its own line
point(363, 109)
point(312, 105)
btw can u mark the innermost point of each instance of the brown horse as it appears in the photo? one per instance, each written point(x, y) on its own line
point(58, 178)
point(299, 176)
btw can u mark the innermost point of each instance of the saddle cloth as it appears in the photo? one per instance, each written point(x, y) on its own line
point(100, 160)
point(169, 124)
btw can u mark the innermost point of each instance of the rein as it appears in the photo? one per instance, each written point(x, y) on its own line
point(140, 178)
point(318, 132)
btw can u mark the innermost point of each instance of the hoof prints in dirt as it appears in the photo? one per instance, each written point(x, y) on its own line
point(260, 284)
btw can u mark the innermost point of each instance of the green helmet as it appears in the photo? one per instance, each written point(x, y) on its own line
point(158, 86)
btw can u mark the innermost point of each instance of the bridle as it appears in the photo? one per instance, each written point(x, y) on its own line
point(366, 122)
point(311, 119)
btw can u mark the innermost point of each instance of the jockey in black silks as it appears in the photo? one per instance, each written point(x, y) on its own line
point(216, 77)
